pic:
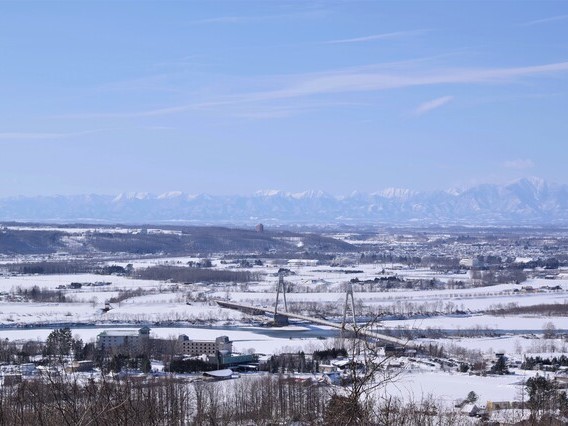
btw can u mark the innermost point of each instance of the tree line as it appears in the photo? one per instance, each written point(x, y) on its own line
point(180, 274)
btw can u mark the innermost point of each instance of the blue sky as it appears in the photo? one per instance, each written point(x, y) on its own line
point(237, 96)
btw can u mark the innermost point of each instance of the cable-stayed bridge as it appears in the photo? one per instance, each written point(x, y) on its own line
point(282, 317)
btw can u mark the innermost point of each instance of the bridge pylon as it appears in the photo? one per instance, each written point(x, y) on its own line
point(280, 319)
point(348, 294)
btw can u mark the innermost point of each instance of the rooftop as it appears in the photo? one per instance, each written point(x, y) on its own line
point(120, 333)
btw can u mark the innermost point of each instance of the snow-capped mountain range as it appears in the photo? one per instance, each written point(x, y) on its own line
point(525, 201)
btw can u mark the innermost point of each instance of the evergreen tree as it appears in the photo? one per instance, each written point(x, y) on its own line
point(500, 366)
point(542, 394)
point(145, 364)
point(59, 342)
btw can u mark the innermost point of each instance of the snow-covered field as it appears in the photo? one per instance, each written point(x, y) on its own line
point(10, 283)
point(163, 301)
point(191, 306)
point(480, 322)
point(515, 346)
point(447, 388)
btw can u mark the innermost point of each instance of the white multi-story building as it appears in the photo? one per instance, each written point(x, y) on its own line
point(204, 347)
point(130, 338)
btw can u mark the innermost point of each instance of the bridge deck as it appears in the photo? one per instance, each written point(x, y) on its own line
point(348, 327)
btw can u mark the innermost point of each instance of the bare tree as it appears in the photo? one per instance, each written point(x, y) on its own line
point(366, 373)
point(549, 330)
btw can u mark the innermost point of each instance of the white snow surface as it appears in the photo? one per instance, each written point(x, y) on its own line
point(167, 303)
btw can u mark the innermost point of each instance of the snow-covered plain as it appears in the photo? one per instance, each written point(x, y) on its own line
point(515, 346)
point(163, 301)
point(172, 309)
point(447, 388)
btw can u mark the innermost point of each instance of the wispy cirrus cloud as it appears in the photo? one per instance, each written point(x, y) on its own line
point(546, 20)
point(380, 77)
point(374, 37)
point(155, 112)
point(30, 135)
point(288, 110)
point(247, 19)
point(353, 81)
point(433, 104)
point(158, 83)
point(230, 20)
point(42, 135)
point(518, 164)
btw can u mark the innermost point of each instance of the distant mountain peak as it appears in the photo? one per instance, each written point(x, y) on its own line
point(534, 180)
point(131, 196)
point(310, 194)
point(170, 195)
point(402, 193)
point(454, 191)
point(524, 201)
point(269, 193)
point(536, 183)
